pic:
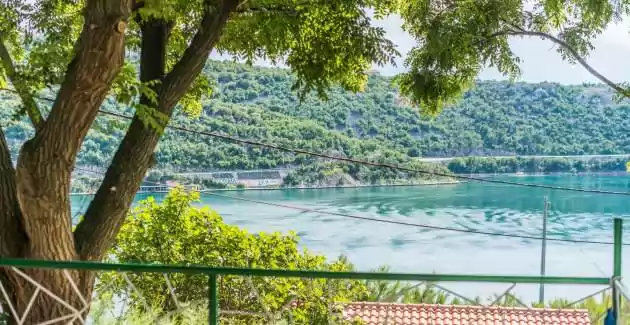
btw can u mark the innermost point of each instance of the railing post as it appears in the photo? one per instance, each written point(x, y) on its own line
point(618, 244)
point(213, 303)
point(543, 253)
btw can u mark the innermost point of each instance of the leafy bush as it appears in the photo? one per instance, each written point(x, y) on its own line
point(174, 232)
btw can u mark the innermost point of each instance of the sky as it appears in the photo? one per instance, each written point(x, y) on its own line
point(540, 61)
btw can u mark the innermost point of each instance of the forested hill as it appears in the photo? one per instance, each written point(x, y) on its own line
point(497, 118)
point(493, 118)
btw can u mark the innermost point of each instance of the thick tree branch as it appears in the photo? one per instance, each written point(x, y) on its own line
point(189, 66)
point(27, 98)
point(107, 211)
point(40, 186)
point(13, 239)
point(119, 186)
point(46, 161)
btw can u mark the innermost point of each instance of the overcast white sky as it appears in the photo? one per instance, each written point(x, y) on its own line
point(540, 60)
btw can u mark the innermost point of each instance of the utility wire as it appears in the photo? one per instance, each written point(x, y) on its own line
point(367, 163)
point(361, 162)
point(299, 151)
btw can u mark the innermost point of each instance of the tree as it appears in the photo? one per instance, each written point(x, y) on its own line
point(148, 54)
point(77, 48)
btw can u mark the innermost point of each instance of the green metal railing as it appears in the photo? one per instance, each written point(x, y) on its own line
point(213, 272)
point(216, 271)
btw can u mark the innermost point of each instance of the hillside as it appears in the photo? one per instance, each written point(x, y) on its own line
point(495, 118)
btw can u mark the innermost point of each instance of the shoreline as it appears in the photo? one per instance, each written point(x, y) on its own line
point(437, 183)
point(328, 187)
point(454, 182)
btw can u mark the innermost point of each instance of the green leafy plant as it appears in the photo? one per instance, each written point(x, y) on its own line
point(175, 232)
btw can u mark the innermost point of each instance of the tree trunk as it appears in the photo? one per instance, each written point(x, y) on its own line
point(107, 211)
point(128, 168)
point(46, 161)
point(42, 177)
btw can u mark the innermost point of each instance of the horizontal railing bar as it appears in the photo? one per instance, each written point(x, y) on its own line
point(194, 269)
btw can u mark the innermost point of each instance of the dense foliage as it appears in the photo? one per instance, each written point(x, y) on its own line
point(344, 174)
point(174, 232)
point(495, 118)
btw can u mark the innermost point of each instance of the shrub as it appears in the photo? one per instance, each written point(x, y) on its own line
point(174, 232)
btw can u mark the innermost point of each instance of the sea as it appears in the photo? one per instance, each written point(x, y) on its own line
point(417, 242)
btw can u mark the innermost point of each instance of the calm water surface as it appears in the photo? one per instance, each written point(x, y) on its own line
point(473, 206)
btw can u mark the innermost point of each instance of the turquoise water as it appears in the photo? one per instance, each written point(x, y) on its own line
point(473, 206)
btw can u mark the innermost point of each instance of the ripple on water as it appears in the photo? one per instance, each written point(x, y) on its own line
point(357, 242)
point(398, 243)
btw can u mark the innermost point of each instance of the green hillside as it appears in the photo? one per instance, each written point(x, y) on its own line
point(495, 118)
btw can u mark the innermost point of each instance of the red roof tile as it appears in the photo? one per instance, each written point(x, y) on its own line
point(425, 314)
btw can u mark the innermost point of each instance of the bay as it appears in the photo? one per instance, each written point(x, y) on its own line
point(472, 206)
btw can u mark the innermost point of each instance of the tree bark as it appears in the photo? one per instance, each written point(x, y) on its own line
point(12, 236)
point(46, 161)
point(122, 180)
point(107, 211)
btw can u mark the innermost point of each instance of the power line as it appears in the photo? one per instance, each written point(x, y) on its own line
point(367, 163)
point(361, 162)
point(299, 151)
point(402, 223)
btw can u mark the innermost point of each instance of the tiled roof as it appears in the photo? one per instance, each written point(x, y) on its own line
point(425, 314)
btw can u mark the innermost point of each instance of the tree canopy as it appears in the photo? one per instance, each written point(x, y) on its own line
point(324, 42)
point(456, 39)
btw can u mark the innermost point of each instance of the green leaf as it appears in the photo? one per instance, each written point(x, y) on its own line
point(151, 117)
